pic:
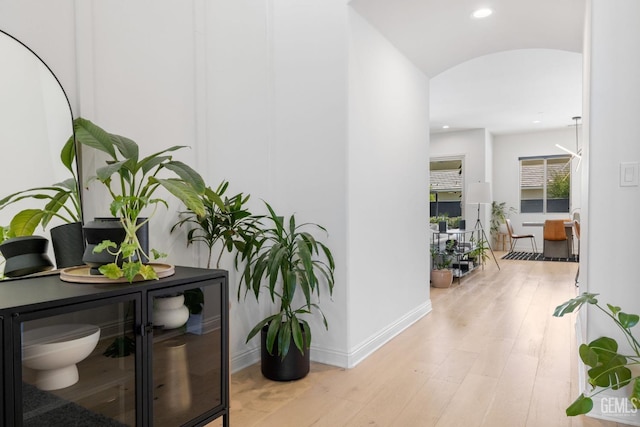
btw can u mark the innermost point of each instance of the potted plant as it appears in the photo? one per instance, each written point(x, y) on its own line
point(479, 252)
point(441, 273)
point(609, 368)
point(227, 220)
point(295, 266)
point(132, 182)
point(62, 201)
point(499, 213)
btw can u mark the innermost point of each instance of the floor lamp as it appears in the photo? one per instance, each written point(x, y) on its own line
point(480, 192)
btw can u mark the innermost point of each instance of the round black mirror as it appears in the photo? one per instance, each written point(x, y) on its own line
point(36, 122)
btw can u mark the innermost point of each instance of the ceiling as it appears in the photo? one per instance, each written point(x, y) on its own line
point(519, 65)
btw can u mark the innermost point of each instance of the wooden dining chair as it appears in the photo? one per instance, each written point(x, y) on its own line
point(556, 243)
point(513, 237)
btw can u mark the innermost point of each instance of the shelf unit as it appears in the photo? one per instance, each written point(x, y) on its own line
point(465, 241)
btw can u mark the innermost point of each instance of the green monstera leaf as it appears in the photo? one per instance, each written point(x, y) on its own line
point(575, 304)
point(608, 368)
point(580, 406)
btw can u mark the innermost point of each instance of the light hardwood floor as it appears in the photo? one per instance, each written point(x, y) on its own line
point(489, 354)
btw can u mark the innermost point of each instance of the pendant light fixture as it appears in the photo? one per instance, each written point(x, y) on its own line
point(578, 152)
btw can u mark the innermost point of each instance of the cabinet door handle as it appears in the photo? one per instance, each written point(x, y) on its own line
point(145, 329)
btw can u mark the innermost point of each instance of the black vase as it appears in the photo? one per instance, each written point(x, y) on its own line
point(68, 244)
point(25, 255)
point(294, 366)
point(101, 229)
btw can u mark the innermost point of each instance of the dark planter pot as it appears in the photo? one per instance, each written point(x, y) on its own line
point(294, 366)
point(25, 255)
point(68, 244)
point(101, 229)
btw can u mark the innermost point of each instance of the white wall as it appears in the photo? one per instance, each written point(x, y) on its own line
point(136, 78)
point(260, 91)
point(488, 156)
point(235, 119)
point(506, 175)
point(388, 164)
point(615, 99)
point(48, 28)
point(276, 128)
point(614, 87)
point(238, 83)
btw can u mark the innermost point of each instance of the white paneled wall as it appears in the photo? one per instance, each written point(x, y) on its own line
point(286, 100)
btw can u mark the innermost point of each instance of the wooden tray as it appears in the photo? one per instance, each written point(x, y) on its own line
point(81, 274)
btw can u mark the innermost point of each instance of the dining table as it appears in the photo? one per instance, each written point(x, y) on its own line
point(568, 228)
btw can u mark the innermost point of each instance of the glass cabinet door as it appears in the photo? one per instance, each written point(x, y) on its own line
point(78, 365)
point(186, 348)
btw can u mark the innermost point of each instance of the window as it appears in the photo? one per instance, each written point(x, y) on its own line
point(545, 184)
point(446, 187)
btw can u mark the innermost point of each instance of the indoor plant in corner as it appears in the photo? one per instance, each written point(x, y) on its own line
point(499, 214)
point(131, 183)
point(608, 368)
point(295, 266)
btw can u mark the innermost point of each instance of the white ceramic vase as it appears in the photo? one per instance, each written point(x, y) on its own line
point(170, 312)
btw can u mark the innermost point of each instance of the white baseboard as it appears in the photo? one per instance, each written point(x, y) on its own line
point(339, 358)
point(245, 359)
point(366, 348)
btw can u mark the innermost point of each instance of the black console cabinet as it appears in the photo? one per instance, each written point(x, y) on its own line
point(152, 353)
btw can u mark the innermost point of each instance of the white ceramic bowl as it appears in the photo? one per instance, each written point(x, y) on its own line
point(53, 352)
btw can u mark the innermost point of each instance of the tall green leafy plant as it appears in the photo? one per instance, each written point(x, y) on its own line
point(227, 220)
point(61, 200)
point(132, 182)
point(499, 214)
point(480, 251)
point(608, 367)
point(295, 267)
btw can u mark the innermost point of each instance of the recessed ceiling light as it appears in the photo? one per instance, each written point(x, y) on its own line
point(536, 121)
point(445, 127)
point(482, 13)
